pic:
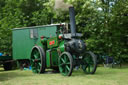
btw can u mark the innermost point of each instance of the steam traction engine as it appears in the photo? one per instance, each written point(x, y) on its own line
point(68, 49)
point(55, 49)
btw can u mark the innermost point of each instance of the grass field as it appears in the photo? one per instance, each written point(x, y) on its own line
point(103, 76)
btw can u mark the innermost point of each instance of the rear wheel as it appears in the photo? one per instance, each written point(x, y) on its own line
point(89, 63)
point(65, 64)
point(38, 60)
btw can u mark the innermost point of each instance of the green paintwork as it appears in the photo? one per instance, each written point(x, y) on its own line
point(52, 54)
point(22, 44)
point(61, 46)
point(47, 37)
point(44, 41)
point(51, 58)
point(54, 58)
point(23, 41)
point(48, 64)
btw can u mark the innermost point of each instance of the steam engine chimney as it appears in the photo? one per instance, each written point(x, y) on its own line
point(72, 21)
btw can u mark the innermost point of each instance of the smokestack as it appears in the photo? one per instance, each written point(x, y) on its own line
point(72, 21)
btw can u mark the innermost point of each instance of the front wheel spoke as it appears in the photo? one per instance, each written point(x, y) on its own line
point(91, 63)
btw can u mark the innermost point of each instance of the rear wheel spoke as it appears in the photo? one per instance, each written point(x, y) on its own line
point(67, 67)
point(32, 60)
point(35, 56)
point(62, 64)
point(65, 58)
point(62, 60)
point(39, 64)
point(68, 63)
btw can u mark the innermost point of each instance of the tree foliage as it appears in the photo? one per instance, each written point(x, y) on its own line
point(102, 22)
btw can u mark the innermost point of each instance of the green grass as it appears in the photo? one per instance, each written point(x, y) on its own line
point(103, 76)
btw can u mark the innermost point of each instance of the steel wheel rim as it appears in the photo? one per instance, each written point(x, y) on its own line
point(64, 64)
point(36, 61)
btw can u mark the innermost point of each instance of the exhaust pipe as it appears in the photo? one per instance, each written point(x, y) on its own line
point(72, 21)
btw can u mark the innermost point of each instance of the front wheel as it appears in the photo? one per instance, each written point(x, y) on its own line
point(89, 63)
point(65, 64)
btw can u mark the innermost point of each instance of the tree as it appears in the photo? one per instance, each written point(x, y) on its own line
point(102, 22)
point(15, 14)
